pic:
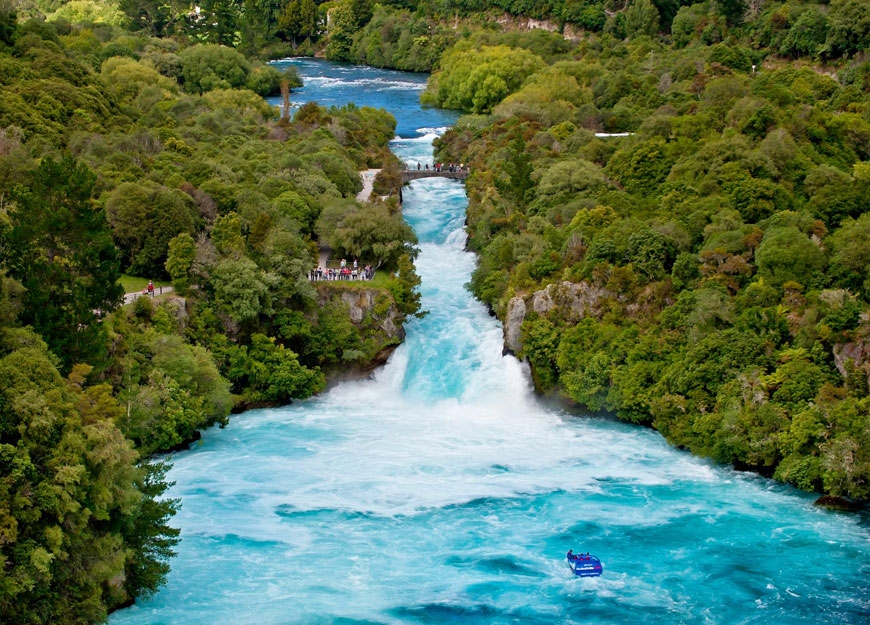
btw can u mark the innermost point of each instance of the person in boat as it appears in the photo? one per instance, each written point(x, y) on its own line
point(572, 555)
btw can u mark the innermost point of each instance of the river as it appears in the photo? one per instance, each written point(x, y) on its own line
point(442, 491)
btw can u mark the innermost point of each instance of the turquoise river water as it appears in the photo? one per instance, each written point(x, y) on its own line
point(442, 491)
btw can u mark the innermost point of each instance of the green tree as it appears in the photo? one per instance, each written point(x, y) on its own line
point(298, 21)
point(405, 288)
point(787, 254)
point(807, 35)
point(257, 24)
point(61, 251)
point(540, 341)
point(206, 67)
point(374, 233)
point(216, 22)
point(731, 10)
point(651, 253)
point(144, 217)
point(849, 31)
point(850, 258)
point(641, 18)
point(342, 26)
point(8, 19)
point(518, 168)
point(477, 80)
point(179, 261)
point(226, 234)
point(241, 289)
point(269, 372)
point(147, 532)
point(643, 167)
point(70, 497)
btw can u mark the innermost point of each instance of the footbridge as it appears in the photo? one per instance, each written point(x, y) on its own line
point(415, 174)
point(368, 178)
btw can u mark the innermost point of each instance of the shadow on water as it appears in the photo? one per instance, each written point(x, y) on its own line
point(447, 613)
point(504, 565)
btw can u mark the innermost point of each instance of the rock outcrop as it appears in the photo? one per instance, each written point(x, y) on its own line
point(362, 304)
point(519, 22)
point(516, 312)
point(574, 301)
point(377, 320)
point(854, 356)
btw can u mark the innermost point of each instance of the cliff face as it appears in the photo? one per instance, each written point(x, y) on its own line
point(517, 22)
point(575, 300)
point(853, 358)
point(375, 318)
point(375, 306)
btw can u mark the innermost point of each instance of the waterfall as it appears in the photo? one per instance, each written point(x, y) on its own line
point(442, 491)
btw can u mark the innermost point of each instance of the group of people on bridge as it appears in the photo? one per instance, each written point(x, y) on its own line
point(439, 167)
point(343, 272)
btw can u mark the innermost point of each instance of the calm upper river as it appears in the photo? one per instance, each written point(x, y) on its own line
point(442, 491)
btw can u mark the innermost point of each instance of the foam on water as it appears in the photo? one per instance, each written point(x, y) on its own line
point(333, 84)
point(441, 491)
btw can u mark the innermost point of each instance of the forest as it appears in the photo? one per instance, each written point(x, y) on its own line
point(668, 201)
point(121, 155)
point(706, 272)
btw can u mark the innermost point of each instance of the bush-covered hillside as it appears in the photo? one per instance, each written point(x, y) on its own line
point(707, 272)
point(704, 272)
point(159, 158)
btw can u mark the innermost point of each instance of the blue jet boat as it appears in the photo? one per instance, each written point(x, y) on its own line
point(584, 564)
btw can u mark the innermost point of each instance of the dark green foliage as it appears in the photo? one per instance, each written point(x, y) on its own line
point(66, 562)
point(849, 27)
point(216, 22)
point(731, 10)
point(651, 253)
point(144, 217)
point(148, 15)
point(518, 168)
point(540, 344)
point(730, 56)
point(641, 18)
point(701, 252)
point(404, 288)
point(786, 254)
point(60, 249)
point(210, 189)
point(270, 373)
point(807, 36)
point(298, 21)
point(589, 16)
point(147, 533)
point(642, 167)
point(8, 18)
point(207, 67)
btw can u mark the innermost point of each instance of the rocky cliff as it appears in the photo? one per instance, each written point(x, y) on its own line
point(517, 22)
point(375, 318)
point(575, 300)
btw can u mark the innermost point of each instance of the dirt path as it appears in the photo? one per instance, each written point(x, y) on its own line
point(368, 180)
point(158, 290)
